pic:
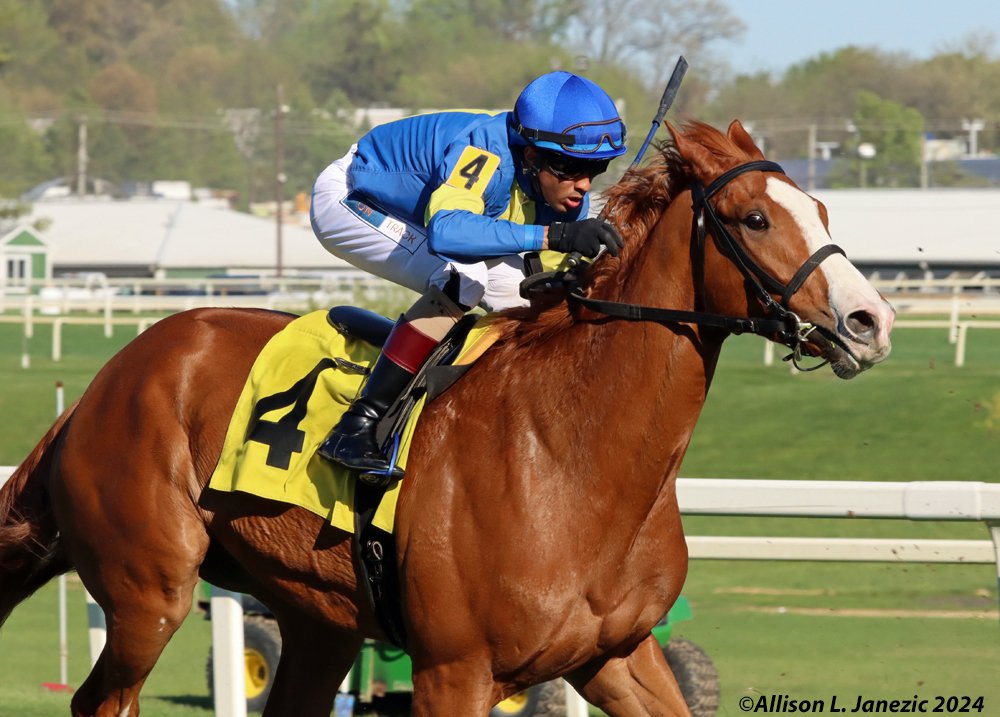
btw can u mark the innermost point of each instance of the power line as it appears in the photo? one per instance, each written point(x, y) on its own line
point(207, 123)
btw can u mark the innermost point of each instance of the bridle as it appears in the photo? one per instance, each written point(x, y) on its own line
point(779, 320)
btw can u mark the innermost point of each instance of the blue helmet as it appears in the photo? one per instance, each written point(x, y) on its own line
point(568, 114)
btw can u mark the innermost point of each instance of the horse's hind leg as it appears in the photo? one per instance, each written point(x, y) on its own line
point(315, 659)
point(136, 637)
point(639, 685)
point(139, 558)
point(452, 689)
point(144, 605)
point(142, 615)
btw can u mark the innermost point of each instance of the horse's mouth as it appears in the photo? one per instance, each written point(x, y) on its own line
point(830, 346)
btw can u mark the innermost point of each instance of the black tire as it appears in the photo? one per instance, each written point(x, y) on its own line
point(545, 700)
point(696, 675)
point(261, 651)
point(392, 705)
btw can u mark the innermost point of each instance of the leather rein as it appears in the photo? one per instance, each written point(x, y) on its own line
point(779, 322)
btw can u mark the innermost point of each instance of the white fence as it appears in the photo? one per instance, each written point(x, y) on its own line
point(920, 500)
point(68, 302)
point(979, 295)
point(292, 293)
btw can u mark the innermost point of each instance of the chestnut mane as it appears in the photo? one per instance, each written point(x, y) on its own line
point(633, 205)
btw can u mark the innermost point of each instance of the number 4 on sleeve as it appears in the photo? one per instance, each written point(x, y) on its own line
point(473, 170)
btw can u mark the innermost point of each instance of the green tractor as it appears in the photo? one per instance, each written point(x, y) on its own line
point(381, 684)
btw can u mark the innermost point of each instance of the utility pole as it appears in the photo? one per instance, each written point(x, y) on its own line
point(279, 171)
point(925, 179)
point(81, 156)
point(811, 181)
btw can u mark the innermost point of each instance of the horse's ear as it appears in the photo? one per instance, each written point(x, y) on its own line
point(704, 165)
point(742, 139)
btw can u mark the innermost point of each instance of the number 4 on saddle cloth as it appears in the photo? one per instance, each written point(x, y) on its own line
point(300, 384)
point(303, 380)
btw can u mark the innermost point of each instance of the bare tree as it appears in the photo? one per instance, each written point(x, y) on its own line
point(648, 35)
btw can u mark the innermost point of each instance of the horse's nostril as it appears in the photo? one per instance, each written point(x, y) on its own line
point(862, 324)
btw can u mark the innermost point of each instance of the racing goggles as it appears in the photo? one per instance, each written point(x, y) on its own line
point(564, 167)
point(589, 137)
point(582, 138)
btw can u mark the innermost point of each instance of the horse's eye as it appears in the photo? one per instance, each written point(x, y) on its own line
point(755, 221)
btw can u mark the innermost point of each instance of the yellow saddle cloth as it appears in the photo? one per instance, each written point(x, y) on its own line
point(300, 384)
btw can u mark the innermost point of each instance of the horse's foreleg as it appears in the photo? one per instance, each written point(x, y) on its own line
point(315, 658)
point(453, 689)
point(639, 685)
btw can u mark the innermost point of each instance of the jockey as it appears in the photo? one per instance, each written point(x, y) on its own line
point(446, 204)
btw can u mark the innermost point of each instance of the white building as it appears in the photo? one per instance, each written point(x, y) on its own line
point(938, 230)
point(167, 238)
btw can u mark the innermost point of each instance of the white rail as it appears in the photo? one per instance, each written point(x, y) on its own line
point(34, 310)
point(918, 500)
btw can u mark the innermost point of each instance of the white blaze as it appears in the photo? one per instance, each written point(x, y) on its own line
point(849, 290)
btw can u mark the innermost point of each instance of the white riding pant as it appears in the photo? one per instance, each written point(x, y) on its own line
point(362, 235)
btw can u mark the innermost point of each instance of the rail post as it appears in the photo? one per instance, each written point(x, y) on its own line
point(227, 654)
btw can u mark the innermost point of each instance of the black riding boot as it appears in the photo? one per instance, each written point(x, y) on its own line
point(352, 442)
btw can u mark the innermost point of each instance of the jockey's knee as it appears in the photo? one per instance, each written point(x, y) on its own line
point(463, 286)
point(436, 303)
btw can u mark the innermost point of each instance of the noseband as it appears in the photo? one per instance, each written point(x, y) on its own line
point(780, 322)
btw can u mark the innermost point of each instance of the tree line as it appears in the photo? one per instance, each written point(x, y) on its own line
point(187, 89)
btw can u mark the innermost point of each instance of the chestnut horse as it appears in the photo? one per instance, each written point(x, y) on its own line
point(538, 531)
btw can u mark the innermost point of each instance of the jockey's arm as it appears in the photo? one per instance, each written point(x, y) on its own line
point(458, 230)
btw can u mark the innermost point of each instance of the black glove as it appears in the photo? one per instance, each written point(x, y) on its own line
point(585, 236)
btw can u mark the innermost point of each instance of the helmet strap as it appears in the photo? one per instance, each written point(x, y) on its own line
point(539, 135)
point(531, 168)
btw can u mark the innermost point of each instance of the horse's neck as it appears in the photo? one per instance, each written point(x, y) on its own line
point(662, 372)
point(628, 393)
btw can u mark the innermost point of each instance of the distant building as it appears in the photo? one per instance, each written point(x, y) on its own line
point(24, 258)
point(164, 238)
point(933, 232)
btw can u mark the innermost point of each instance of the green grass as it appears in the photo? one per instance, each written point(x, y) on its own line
point(808, 657)
point(917, 417)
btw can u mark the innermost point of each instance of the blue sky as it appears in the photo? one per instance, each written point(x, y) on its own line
point(782, 32)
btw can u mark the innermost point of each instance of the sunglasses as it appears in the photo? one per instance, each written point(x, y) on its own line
point(565, 168)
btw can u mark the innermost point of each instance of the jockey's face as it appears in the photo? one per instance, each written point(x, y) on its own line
point(562, 190)
point(563, 195)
